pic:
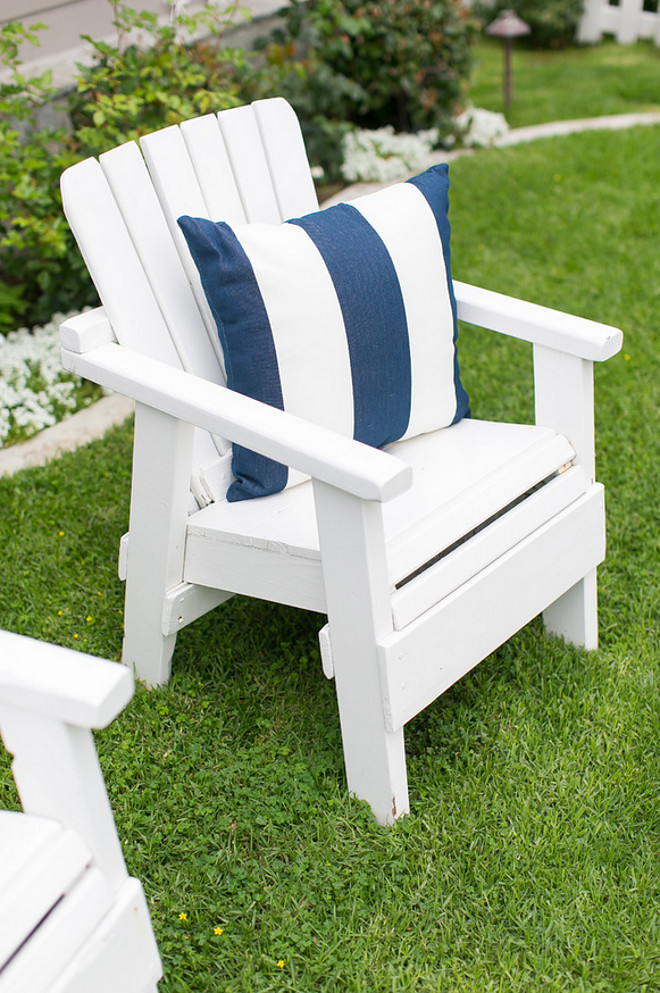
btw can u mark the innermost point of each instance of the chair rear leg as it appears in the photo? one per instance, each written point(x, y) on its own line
point(574, 616)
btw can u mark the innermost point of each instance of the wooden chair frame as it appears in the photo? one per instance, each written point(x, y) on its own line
point(385, 670)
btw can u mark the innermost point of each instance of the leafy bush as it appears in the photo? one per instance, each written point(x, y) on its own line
point(553, 23)
point(39, 267)
point(126, 92)
point(371, 63)
point(132, 89)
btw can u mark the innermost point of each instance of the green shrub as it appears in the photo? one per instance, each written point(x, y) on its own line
point(369, 63)
point(553, 23)
point(40, 270)
point(132, 89)
point(126, 92)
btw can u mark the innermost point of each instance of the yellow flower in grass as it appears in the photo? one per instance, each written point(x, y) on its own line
point(183, 917)
point(280, 964)
point(217, 930)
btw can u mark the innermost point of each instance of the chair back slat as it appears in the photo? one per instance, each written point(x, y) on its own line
point(178, 190)
point(210, 160)
point(286, 156)
point(249, 164)
point(113, 262)
point(127, 175)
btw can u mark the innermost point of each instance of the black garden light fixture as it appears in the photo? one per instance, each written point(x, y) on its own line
point(507, 25)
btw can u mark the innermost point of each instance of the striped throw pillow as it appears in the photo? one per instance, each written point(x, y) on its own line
point(345, 317)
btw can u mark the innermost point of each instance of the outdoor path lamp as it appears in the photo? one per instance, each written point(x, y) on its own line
point(507, 25)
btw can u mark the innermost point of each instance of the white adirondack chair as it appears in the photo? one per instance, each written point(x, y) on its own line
point(425, 558)
point(71, 919)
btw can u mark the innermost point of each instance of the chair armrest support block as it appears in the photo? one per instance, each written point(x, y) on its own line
point(86, 331)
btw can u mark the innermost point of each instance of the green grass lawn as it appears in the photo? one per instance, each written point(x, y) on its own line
point(530, 859)
point(572, 83)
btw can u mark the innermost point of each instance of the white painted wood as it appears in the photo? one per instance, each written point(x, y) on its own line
point(564, 398)
point(121, 954)
point(212, 167)
point(574, 616)
point(175, 182)
point(212, 473)
point(27, 836)
point(247, 545)
point(376, 517)
point(266, 572)
point(57, 775)
point(422, 661)
point(462, 476)
point(61, 936)
point(61, 685)
point(325, 647)
point(131, 184)
point(113, 262)
point(39, 871)
point(71, 920)
point(249, 164)
point(358, 603)
point(161, 473)
point(541, 325)
point(286, 156)
point(627, 21)
point(368, 472)
point(86, 331)
point(484, 548)
point(123, 556)
point(186, 602)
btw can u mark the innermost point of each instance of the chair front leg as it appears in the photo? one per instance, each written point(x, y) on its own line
point(359, 614)
point(162, 460)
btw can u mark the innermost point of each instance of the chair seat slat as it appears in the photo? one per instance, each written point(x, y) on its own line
point(495, 464)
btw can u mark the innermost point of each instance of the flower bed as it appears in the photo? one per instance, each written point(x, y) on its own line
point(35, 391)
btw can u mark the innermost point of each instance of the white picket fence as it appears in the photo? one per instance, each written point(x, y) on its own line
point(627, 20)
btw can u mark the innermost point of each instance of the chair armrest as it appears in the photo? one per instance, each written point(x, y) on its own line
point(60, 684)
point(539, 325)
point(349, 465)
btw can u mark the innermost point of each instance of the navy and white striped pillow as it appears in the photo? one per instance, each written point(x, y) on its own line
point(345, 317)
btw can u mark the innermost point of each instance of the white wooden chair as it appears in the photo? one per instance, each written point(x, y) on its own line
point(71, 919)
point(424, 557)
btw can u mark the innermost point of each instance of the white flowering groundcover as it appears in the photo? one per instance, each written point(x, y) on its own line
point(384, 155)
point(35, 391)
